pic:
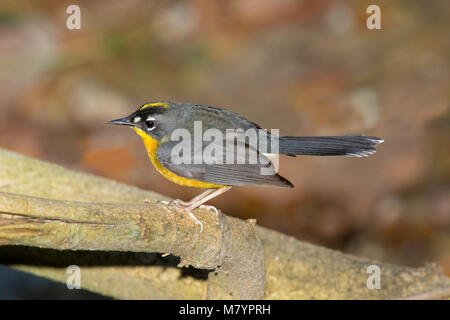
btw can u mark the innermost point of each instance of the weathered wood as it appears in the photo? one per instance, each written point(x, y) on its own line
point(77, 211)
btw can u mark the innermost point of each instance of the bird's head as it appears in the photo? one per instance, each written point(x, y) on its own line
point(152, 119)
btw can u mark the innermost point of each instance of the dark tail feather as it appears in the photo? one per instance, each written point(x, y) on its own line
point(348, 145)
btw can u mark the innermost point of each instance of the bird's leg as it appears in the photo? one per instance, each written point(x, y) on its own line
point(200, 196)
point(197, 201)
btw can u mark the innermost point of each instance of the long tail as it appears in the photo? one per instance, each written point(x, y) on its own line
point(348, 145)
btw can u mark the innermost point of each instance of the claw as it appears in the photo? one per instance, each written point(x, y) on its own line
point(195, 219)
point(204, 206)
point(201, 226)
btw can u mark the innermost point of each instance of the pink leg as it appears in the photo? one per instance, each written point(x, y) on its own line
point(198, 201)
point(200, 196)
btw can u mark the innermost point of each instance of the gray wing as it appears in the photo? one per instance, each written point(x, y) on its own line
point(239, 173)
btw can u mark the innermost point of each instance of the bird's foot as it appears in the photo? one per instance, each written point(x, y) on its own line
point(184, 206)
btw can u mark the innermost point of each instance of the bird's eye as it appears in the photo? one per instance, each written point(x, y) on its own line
point(151, 123)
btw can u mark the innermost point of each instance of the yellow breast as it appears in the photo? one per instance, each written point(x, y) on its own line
point(152, 146)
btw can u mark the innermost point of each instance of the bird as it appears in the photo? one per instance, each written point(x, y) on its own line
point(177, 134)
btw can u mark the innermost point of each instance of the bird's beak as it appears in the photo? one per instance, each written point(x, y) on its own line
point(122, 122)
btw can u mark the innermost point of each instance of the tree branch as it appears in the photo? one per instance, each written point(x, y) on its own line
point(61, 210)
point(142, 227)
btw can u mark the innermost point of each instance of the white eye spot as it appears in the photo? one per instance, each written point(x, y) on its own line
point(136, 119)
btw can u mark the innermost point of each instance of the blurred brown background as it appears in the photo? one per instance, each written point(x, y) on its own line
point(306, 67)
